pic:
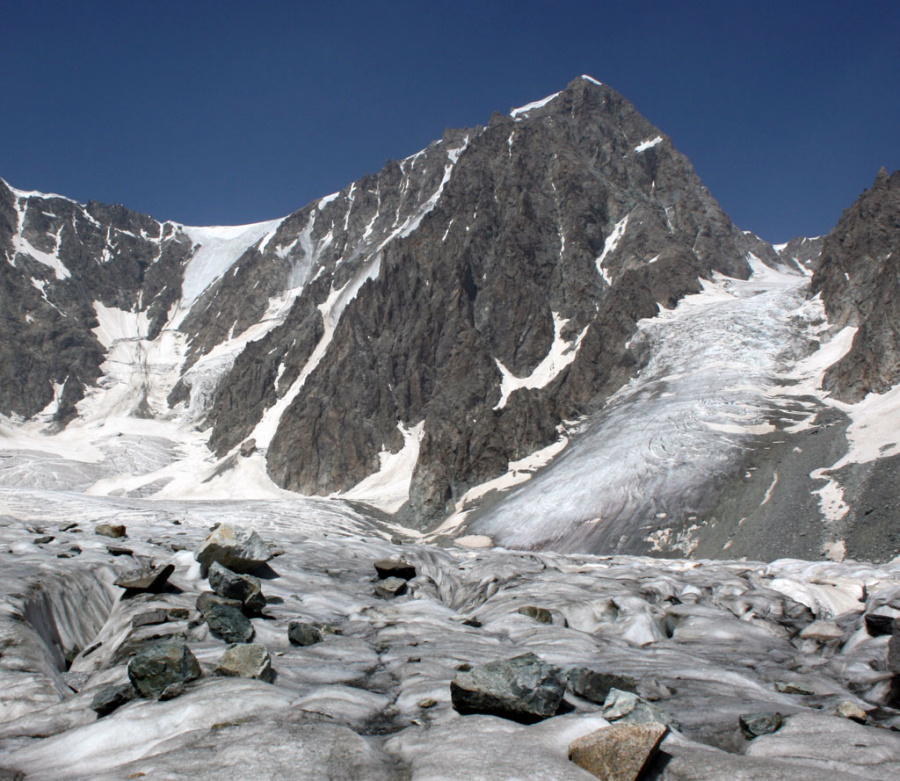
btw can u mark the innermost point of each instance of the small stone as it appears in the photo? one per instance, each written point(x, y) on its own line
point(539, 614)
point(71, 553)
point(629, 708)
point(178, 614)
point(227, 623)
point(823, 631)
point(158, 615)
point(246, 660)
point(595, 686)
point(788, 687)
point(119, 550)
point(620, 752)
point(427, 703)
point(395, 568)
point(150, 578)
point(232, 585)
point(110, 529)
point(524, 689)
point(110, 698)
point(850, 710)
point(43, 540)
point(158, 668)
point(755, 724)
point(390, 588)
point(207, 598)
point(248, 448)
point(239, 549)
point(301, 633)
point(67, 526)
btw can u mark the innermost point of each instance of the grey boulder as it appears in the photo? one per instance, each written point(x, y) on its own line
point(524, 689)
point(226, 621)
point(233, 585)
point(238, 548)
point(162, 670)
point(150, 578)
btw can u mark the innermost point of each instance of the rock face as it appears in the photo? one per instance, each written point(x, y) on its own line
point(524, 689)
point(162, 670)
point(859, 282)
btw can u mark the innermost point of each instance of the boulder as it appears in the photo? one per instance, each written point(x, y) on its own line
point(246, 660)
point(232, 585)
point(595, 686)
point(620, 752)
point(248, 448)
point(302, 633)
point(390, 588)
point(395, 568)
point(240, 549)
point(45, 539)
point(755, 724)
point(524, 689)
point(227, 622)
point(110, 530)
point(109, 698)
point(162, 670)
point(150, 578)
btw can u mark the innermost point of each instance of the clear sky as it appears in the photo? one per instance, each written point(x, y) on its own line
point(231, 112)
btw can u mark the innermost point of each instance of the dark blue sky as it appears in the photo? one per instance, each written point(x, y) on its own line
point(228, 112)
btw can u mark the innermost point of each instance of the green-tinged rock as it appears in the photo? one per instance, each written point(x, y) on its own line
point(162, 669)
point(524, 689)
point(233, 585)
point(227, 623)
point(109, 698)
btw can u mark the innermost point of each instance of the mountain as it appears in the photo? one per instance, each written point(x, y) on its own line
point(530, 343)
point(544, 331)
